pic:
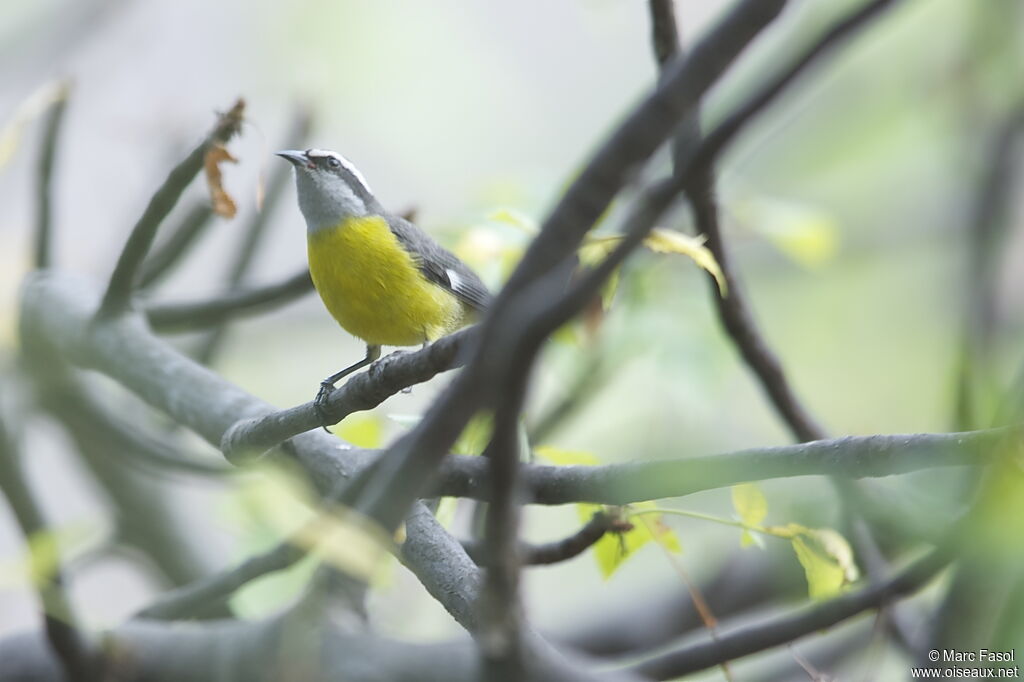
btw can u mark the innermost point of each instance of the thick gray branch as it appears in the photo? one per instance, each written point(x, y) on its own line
point(56, 313)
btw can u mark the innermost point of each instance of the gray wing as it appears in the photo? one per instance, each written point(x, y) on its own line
point(440, 265)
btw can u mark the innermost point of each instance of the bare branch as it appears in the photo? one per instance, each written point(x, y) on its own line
point(193, 599)
point(441, 564)
point(987, 224)
point(752, 639)
point(257, 227)
point(135, 249)
point(733, 309)
point(360, 392)
point(448, 574)
point(553, 552)
point(500, 636)
point(47, 159)
point(511, 328)
point(55, 317)
point(174, 317)
point(171, 251)
point(664, 34)
point(65, 637)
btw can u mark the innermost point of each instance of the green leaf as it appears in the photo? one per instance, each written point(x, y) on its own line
point(826, 557)
point(751, 508)
point(614, 547)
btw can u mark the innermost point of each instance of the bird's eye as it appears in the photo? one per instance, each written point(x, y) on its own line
point(333, 162)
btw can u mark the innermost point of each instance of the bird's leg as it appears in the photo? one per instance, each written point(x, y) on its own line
point(327, 385)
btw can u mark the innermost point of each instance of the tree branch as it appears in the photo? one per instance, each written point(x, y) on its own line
point(450, 576)
point(65, 637)
point(777, 631)
point(171, 251)
point(175, 317)
point(362, 391)
point(122, 281)
point(511, 327)
point(500, 638)
point(47, 159)
point(664, 34)
point(733, 310)
point(553, 552)
point(254, 233)
point(55, 318)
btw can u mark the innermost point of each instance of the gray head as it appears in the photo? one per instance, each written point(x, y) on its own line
point(330, 188)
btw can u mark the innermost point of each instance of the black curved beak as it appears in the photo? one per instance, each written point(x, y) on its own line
point(296, 157)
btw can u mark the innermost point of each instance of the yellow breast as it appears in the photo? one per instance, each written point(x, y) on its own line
point(374, 290)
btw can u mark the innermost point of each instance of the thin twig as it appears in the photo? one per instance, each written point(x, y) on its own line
point(590, 377)
point(47, 160)
point(732, 309)
point(788, 628)
point(178, 317)
point(170, 252)
point(65, 636)
point(557, 551)
point(509, 337)
point(253, 234)
point(136, 447)
point(664, 33)
point(987, 224)
point(193, 599)
point(123, 279)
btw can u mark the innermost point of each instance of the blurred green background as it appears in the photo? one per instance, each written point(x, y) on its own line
point(848, 208)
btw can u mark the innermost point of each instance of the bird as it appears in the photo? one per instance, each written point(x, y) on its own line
point(382, 278)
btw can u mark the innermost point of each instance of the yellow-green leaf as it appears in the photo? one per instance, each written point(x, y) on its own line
point(475, 435)
point(446, 508)
point(661, 240)
point(613, 549)
point(824, 576)
point(803, 232)
point(825, 555)
point(347, 540)
point(361, 429)
point(567, 458)
point(513, 218)
point(751, 508)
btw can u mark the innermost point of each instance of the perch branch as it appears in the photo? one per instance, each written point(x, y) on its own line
point(55, 318)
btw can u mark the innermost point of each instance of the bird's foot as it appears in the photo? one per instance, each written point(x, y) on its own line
point(378, 365)
point(320, 403)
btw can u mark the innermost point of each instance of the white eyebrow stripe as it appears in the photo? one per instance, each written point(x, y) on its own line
point(320, 153)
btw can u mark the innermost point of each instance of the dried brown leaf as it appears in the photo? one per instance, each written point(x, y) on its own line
point(223, 204)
